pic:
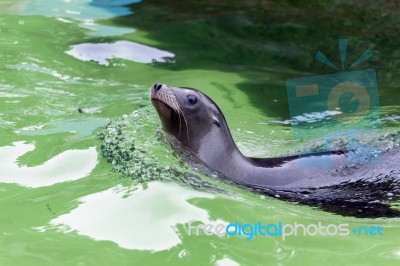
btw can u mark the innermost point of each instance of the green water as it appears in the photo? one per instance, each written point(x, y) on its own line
point(60, 202)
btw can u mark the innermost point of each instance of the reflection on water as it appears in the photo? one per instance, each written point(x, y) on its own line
point(102, 52)
point(67, 166)
point(142, 219)
point(226, 262)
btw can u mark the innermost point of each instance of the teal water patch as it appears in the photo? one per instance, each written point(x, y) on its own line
point(87, 12)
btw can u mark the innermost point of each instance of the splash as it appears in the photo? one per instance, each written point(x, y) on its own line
point(136, 149)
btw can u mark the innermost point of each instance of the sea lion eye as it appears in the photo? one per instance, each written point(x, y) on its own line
point(192, 99)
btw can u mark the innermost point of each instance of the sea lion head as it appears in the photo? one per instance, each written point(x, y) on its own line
point(193, 119)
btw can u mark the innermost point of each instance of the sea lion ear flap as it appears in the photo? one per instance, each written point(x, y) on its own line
point(216, 121)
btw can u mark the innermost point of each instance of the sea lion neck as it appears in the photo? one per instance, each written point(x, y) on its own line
point(218, 150)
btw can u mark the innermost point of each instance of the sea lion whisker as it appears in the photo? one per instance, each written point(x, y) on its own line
point(179, 112)
point(184, 118)
point(174, 104)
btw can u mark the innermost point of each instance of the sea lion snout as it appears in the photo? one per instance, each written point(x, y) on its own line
point(161, 92)
point(155, 90)
point(158, 86)
point(158, 91)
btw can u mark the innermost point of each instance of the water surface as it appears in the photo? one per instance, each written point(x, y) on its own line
point(69, 67)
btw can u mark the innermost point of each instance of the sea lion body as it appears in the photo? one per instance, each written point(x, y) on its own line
point(199, 125)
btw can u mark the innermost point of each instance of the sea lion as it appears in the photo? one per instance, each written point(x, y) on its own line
point(199, 125)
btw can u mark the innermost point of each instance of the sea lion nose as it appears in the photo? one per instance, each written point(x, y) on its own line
point(157, 86)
